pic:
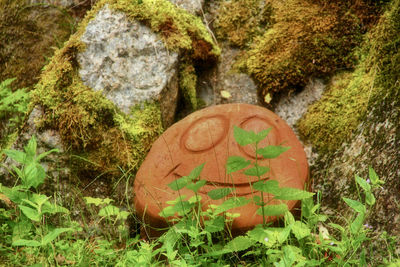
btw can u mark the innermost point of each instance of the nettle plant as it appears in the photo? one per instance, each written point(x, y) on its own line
point(13, 104)
point(199, 225)
point(199, 235)
point(24, 221)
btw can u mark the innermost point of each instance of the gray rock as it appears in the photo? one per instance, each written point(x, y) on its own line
point(192, 6)
point(46, 140)
point(223, 77)
point(293, 106)
point(61, 3)
point(128, 63)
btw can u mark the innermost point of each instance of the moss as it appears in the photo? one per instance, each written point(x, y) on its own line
point(28, 34)
point(331, 121)
point(307, 38)
point(187, 84)
point(179, 29)
point(102, 137)
point(239, 21)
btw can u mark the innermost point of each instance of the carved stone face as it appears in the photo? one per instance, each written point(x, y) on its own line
point(206, 136)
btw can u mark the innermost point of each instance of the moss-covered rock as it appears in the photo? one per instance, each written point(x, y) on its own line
point(239, 21)
point(331, 121)
point(365, 105)
point(101, 136)
point(307, 38)
point(28, 36)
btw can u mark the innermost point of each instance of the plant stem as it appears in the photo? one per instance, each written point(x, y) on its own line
point(262, 193)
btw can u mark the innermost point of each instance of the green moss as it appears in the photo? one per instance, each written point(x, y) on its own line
point(307, 39)
point(331, 121)
point(239, 21)
point(187, 84)
point(179, 29)
point(28, 34)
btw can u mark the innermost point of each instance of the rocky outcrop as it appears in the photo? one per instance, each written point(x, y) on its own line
point(356, 125)
point(112, 88)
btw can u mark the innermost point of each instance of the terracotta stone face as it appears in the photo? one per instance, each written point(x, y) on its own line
point(206, 136)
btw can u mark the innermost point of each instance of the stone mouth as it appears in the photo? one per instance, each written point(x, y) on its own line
point(240, 189)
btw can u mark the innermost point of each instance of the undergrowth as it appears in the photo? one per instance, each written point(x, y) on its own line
point(13, 106)
point(37, 231)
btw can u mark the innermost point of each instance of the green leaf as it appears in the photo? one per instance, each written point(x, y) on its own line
point(269, 186)
point(195, 199)
point(289, 193)
point(369, 198)
point(184, 207)
point(239, 243)
point(357, 223)
point(97, 201)
point(21, 229)
point(273, 210)
point(374, 177)
point(236, 163)
point(363, 183)
point(167, 212)
point(109, 211)
point(355, 205)
point(16, 155)
point(215, 225)
point(219, 193)
point(261, 135)
point(231, 203)
point(257, 171)
point(52, 208)
point(54, 234)
point(44, 154)
point(178, 184)
point(195, 173)
point(39, 199)
point(289, 218)
point(196, 186)
point(26, 243)
point(300, 230)
point(244, 137)
point(271, 152)
point(30, 213)
point(34, 175)
point(30, 149)
point(289, 255)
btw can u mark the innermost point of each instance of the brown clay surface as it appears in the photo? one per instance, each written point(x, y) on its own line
point(206, 136)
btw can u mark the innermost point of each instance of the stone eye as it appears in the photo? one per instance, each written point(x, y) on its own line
point(205, 133)
point(257, 124)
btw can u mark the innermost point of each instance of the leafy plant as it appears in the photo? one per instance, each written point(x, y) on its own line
point(197, 235)
point(198, 228)
point(28, 210)
point(13, 104)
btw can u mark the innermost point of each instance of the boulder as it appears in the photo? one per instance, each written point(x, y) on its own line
point(128, 63)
